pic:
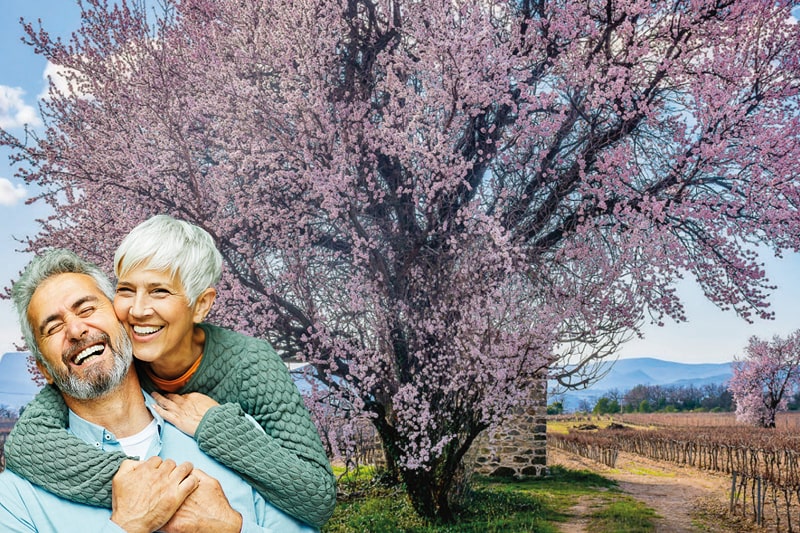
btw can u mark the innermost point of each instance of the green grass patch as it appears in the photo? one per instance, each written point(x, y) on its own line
point(558, 426)
point(494, 506)
point(650, 472)
point(360, 474)
point(624, 514)
point(564, 425)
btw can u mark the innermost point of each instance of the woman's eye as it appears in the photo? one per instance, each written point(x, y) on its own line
point(124, 291)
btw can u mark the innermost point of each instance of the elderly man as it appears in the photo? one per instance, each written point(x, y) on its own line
point(64, 305)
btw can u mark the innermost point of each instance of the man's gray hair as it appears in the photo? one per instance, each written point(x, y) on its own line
point(49, 264)
point(167, 244)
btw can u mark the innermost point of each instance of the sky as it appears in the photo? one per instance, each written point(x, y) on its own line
point(709, 335)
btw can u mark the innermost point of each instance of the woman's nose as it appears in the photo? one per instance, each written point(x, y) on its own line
point(141, 306)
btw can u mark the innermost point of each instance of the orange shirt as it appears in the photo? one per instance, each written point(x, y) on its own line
point(173, 385)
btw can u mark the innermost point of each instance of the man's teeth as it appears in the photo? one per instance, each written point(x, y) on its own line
point(97, 349)
point(145, 330)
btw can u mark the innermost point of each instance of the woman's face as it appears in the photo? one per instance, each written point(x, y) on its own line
point(153, 307)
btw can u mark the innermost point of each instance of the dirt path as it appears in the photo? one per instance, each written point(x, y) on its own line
point(673, 491)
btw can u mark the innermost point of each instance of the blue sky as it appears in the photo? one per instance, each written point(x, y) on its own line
point(710, 335)
point(21, 82)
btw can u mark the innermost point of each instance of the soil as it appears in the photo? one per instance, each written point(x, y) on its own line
point(686, 499)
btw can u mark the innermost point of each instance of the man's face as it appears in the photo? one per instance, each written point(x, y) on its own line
point(85, 349)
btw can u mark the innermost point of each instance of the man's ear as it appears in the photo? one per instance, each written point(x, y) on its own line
point(203, 304)
point(44, 372)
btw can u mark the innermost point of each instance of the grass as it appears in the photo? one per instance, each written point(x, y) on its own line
point(626, 514)
point(494, 506)
point(564, 425)
point(642, 471)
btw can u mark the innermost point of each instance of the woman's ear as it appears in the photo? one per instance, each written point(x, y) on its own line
point(203, 304)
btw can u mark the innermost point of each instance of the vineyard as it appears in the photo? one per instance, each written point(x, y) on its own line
point(783, 421)
point(764, 464)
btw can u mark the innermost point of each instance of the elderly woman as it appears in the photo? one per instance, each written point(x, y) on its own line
point(213, 381)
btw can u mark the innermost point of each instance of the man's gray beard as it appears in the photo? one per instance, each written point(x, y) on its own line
point(98, 383)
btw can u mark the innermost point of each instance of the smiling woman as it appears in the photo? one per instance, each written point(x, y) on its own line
point(159, 318)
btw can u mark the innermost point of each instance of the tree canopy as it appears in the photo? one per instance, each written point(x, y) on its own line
point(766, 378)
point(434, 202)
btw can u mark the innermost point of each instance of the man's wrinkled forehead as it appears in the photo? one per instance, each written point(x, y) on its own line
point(62, 293)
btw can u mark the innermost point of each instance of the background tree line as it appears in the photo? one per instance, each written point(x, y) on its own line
point(712, 397)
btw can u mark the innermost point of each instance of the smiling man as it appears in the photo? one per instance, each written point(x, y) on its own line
point(67, 318)
point(90, 366)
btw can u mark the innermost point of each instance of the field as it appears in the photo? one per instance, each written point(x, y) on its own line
point(785, 421)
point(761, 467)
point(496, 506)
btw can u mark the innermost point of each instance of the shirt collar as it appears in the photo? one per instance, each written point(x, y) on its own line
point(99, 436)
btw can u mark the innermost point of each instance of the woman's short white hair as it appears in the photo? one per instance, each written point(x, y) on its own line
point(167, 244)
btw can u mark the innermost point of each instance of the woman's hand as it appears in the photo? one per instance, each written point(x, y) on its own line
point(184, 411)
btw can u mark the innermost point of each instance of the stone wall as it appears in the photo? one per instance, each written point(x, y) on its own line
point(516, 446)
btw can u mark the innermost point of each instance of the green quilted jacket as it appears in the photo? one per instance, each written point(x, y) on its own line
point(286, 463)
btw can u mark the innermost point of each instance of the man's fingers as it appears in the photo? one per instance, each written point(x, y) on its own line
point(127, 465)
point(182, 470)
point(153, 462)
point(167, 465)
point(201, 475)
point(188, 485)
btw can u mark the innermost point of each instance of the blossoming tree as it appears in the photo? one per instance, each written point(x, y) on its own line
point(765, 380)
point(435, 202)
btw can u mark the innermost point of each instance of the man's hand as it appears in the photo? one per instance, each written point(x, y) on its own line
point(145, 495)
point(205, 510)
point(184, 411)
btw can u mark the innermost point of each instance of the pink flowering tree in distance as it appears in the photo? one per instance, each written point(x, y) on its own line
point(434, 202)
point(766, 378)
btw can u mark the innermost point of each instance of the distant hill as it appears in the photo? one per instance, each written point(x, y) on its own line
point(627, 373)
point(16, 385)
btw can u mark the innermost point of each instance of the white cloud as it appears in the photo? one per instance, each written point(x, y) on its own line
point(10, 194)
point(62, 78)
point(55, 75)
point(14, 112)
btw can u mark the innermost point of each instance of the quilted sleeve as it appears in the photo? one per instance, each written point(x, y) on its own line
point(286, 462)
point(41, 450)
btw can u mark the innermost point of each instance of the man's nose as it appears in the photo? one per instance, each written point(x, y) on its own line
point(77, 328)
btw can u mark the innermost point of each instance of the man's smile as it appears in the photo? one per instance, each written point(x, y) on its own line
point(86, 351)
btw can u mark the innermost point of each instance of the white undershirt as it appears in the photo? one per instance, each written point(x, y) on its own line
point(138, 444)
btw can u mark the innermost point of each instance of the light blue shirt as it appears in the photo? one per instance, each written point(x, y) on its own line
point(25, 507)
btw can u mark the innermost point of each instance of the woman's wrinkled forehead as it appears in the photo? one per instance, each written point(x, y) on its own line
point(127, 268)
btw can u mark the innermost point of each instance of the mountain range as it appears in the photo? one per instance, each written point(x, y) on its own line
point(625, 374)
point(17, 388)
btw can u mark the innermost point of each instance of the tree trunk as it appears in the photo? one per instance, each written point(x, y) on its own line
point(429, 494)
point(769, 418)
